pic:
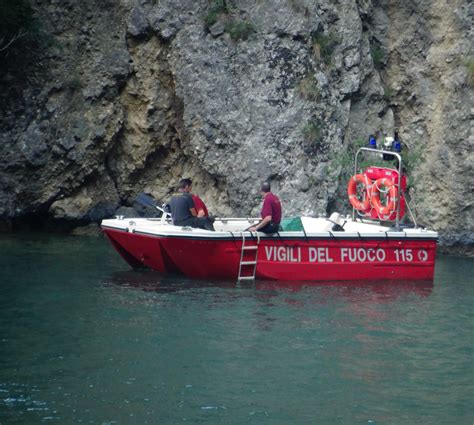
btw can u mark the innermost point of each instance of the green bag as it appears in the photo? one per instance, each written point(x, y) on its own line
point(292, 224)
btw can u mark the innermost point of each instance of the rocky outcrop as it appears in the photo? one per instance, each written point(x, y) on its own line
point(134, 95)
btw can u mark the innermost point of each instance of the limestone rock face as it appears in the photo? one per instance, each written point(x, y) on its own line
point(134, 95)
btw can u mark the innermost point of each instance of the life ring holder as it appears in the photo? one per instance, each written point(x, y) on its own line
point(377, 152)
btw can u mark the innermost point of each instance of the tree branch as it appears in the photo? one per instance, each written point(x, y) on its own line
point(18, 35)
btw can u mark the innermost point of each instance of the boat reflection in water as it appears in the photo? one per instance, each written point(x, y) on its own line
point(151, 281)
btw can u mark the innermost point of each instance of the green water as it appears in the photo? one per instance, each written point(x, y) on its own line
point(85, 340)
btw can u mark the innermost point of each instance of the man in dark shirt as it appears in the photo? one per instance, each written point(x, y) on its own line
point(183, 211)
point(271, 212)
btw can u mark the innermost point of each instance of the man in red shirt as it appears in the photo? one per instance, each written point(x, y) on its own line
point(271, 211)
point(200, 206)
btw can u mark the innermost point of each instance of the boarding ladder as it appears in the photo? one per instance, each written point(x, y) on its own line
point(248, 258)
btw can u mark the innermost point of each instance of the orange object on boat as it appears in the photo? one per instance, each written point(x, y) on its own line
point(376, 173)
point(384, 211)
point(364, 204)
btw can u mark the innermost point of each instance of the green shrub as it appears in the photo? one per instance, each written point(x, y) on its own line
point(224, 10)
point(312, 131)
point(238, 29)
point(388, 93)
point(298, 7)
point(218, 8)
point(313, 139)
point(412, 157)
point(342, 165)
point(378, 57)
point(324, 45)
point(308, 88)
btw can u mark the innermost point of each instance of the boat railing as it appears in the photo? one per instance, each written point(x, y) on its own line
point(227, 219)
point(411, 213)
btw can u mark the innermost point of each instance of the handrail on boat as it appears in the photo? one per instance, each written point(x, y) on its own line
point(225, 219)
point(411, 213)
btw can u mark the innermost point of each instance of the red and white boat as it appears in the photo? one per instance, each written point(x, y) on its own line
point(356, 247)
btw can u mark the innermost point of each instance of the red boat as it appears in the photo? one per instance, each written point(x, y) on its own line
point(307, 249)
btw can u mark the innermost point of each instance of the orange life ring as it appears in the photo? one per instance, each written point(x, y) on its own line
point(384, 211)
point(364, 204)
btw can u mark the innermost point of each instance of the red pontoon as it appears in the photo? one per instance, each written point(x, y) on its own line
point(318, 249)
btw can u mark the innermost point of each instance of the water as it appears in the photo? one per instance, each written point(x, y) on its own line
point(85, 340)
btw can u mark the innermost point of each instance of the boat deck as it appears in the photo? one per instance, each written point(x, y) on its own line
point(232, 227)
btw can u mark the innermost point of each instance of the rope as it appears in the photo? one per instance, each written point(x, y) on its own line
point(380, 190)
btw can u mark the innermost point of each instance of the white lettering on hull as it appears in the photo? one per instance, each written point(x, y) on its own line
point(362, 255)
point(321, 254)
point(268, 252)
point(283, 254)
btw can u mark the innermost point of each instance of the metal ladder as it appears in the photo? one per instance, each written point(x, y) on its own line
point(248, 262)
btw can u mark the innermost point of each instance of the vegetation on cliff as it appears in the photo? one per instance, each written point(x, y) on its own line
point(17, 24)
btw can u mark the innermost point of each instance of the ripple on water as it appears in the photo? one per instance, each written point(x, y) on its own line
point(86, 341)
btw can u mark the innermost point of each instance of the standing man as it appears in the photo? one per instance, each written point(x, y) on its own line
point(183, 211)
point(271, 211)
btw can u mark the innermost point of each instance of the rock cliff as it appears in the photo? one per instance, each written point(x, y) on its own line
point(133, 95)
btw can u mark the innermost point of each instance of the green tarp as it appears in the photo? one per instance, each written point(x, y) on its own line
point(291, 224)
